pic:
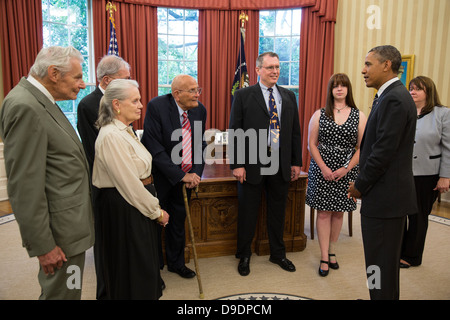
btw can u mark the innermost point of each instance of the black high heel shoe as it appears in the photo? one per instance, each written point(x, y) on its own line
point(323, 273)
point(333, 265)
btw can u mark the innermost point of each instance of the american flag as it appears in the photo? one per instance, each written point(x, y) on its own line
point(113, 48)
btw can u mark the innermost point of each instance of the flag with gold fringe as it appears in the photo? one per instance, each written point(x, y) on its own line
point(113, 47)
point(241, 78)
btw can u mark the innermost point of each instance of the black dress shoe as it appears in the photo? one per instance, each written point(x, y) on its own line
point(333, 265)
point(163, 285)
point(183, 271)
point(323, 273)
point(284, 263)
point(244, 266)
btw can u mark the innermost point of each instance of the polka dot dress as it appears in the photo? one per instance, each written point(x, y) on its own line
point(336, 146)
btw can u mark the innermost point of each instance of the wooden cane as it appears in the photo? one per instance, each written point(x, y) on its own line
point(191, 233)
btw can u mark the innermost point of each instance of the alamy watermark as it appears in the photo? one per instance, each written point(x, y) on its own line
point(243, 147)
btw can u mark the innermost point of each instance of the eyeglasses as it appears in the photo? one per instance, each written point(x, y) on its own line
point(272, 68)
point(193, 91)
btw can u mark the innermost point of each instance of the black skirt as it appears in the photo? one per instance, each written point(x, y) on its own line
point(129, 248)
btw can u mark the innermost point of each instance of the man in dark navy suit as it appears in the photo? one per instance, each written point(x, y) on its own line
point(267, 165)
point(109, 68)
point(162, 137)
point(385, 183)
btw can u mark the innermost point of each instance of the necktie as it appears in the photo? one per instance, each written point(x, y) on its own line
point(274, 122)
point(375, 101)
point(186, 160)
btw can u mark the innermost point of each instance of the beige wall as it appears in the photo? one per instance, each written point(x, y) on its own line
point(419, 27)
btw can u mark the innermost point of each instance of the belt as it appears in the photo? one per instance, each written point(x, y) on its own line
point(148, 180)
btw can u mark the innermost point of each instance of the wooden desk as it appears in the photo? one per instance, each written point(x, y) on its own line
point(214, 216)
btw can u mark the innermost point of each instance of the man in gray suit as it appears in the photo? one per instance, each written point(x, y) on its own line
point(47, 171)
point(385, 182)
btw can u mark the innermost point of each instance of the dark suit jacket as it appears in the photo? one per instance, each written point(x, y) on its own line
point(161, 119)
point(48, 175)
point(87, 116)
point(249, 111)
point(386, 179)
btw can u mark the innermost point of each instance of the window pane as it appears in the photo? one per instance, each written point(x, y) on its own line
point(79, 37)
point(283, 23)
point(191, 24)
point(162, 47)
point(176, 23)
point(66, 22)
point(162, 73)
point(58, 11)
point(176, 48)
point(283, 48)
point(295, 74)
point(162, 20)
point(266, 44)
point(191, 69)
point(175, 68)
point(177, 45)
point(267, 23)
point(295, 56)
point(78, 12)
point(191, 48)
point(164, 90)
point(284, 74)
point(280, 32)
point(296, 22)
point(59, 35)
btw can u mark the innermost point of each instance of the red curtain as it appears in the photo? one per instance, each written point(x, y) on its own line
point(137, 36)
point(316, 63)
point(217, 57)
point(21, 38)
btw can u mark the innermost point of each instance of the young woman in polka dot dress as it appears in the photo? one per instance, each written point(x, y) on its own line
point(335, 133)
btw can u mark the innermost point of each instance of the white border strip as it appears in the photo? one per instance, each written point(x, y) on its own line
point(439, 219)
point(7, 218)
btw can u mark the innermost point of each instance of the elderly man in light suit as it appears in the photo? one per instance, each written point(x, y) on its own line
point(47, 171)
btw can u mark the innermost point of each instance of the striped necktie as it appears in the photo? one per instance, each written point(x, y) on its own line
point(186, 161)
point(274, 122)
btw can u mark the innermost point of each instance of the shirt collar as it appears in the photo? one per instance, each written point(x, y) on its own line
point(40, 87)
point(385, 85)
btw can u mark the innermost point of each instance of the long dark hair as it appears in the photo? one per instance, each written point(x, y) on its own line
point(427, 85)
point(335, 80)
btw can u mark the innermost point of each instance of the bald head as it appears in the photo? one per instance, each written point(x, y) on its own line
point(185, 91)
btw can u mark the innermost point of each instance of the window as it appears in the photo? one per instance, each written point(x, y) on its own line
point(177, 45)
point(279, 31)
point(68, 22)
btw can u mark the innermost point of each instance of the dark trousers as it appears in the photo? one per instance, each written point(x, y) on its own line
point(249, 196)
point(417, 225)
point(174, 232)
point(382, 240)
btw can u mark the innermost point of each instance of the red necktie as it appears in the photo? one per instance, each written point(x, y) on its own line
point(186, 161)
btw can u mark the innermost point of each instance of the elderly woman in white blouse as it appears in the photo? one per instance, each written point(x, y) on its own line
point(127, 204)
point(431, 164)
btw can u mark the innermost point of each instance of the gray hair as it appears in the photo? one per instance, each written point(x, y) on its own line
point(54, 56)
point(260, 59)
point(117, 89)
point(110, 65)
point(390, 53)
